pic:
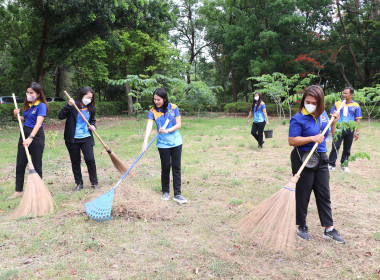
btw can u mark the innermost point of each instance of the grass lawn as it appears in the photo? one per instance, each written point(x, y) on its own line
point(224, 175)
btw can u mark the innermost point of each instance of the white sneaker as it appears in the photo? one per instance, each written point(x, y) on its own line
point(345, 169)
point(165, 196)
point(331, 168)
point(180, 199)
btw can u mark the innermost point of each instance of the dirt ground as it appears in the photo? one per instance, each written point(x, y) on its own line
point(224, 176)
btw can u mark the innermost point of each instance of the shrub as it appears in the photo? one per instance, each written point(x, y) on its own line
point(244, 107)
point(238, 107)
point(102, 109)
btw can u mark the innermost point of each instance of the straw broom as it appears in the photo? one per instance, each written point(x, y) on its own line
point(37, 200)
point(119, 165)
point(272, 223)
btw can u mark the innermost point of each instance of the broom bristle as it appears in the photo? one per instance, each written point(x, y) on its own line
point(37, 200)
point(272, 223)
point(119, 165)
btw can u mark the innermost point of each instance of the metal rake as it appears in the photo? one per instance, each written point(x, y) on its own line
point(99, 209)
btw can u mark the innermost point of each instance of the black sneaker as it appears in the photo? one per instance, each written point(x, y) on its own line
point(303, 232)
point(78, 187)
point(334, 235)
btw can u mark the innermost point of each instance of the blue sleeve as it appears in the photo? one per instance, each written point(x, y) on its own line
point(295, 128)
point(176, 112)
point(150, 115)
point(42, 110)
point(263, 107)
point(333, 109)
point(358, 113)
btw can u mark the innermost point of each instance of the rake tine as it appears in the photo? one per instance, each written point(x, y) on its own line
point(101, 207)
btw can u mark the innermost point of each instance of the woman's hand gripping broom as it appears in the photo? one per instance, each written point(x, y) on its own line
point(272, 223)
point(37, 200)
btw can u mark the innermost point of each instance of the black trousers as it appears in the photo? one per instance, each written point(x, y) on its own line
point(36, 150)
point(316, 180)
point(88, 153)
point(257, 131)
point(171, 157)
point(347, 137)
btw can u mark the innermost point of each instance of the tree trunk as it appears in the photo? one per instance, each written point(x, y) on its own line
point(57, 80)
point(130, 100)
point(192, 43)
point(233, 84)
point(42, 54)
point(246, 91)
point(349, 45)
point(341, 69)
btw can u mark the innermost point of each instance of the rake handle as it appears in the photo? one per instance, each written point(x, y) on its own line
point(142, 153)
point(134, 163)
point(22, 130)
point(316, 144)
point(89, 125)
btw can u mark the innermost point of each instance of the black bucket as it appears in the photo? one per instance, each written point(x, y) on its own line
point(268, 133)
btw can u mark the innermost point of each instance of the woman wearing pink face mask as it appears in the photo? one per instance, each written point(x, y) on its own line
point(35, 109)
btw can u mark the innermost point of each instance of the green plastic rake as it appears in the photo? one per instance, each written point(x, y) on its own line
point(99, 209)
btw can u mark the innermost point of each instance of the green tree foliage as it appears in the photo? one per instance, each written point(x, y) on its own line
point(195, 96)
point(355, 32)
point(283, 90)
point(368, 97)
point(188, 33)
point(40, 35)
point(90, 63)
point(257, 37)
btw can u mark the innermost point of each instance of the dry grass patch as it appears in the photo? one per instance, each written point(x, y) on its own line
point(224, 176)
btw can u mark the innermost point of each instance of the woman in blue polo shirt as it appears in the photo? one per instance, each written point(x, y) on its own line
point(304, 131)
point(169, 142)
point(78, 136)
point(35, 109)
point(258, 110)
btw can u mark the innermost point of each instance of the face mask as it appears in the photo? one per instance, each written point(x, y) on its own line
point(257, 98)
point(86, 101)
point(30, 98)
point(310, 108)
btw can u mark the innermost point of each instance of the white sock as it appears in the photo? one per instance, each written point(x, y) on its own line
point(329, 229)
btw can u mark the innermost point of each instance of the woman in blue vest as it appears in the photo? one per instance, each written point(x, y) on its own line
point(78, 136)
point(169, 142)
point(35, 109)
point(258, 110)
point(304, 131)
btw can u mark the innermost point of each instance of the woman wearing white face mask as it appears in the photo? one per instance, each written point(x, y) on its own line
point(258, 110)
point(304, 130)
point(78, 136)
point(35, 109)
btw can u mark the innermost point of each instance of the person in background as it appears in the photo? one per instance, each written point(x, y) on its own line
point(78, 135)
point(260, 119)
point(169, 142)
point(304, 131)
point(35, 110)
point(351, 111)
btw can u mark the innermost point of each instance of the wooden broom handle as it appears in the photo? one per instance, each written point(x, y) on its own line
point(316, 144)
point(22, 130)
point(101, 141)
